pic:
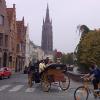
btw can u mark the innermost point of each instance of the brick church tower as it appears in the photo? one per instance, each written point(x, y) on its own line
point(47, 34)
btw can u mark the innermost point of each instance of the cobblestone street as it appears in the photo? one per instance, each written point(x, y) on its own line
point(16, 88)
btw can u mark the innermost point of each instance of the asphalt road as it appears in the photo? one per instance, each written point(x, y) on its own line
point(16, 88)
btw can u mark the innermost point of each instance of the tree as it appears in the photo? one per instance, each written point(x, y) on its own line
point(83, 30)
point(64, 58)
point(67, 58)
point(89, 49)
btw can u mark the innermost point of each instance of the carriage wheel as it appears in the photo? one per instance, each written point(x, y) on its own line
point(64, 85)
point(45, 83)
point(81, 93)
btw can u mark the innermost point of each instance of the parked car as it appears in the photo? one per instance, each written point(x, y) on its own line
point(5, 72)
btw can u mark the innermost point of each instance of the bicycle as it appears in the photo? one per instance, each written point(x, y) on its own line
point(82, 92)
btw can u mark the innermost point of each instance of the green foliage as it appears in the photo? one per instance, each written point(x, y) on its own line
point(64, 58)
point(67, 58)
point(89, 49)
point(54, 59)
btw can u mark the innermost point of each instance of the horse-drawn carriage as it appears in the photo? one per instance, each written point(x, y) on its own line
point(54, 73)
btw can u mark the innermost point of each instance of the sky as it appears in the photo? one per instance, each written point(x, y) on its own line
point(66, 15)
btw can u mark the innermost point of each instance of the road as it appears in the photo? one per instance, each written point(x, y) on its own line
point(16, 88)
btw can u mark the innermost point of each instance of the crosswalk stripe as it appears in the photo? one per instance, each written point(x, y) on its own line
point(16, 88)
point(4, 87)
point(30, 90)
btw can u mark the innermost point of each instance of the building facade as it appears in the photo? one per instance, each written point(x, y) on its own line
point(32, 53)
point(40, 53)
point(11, 14)
point(36, 53)
point(27, 54)
point(47, 34)
point(4, 35)
point(12, 38)
point(21, 45)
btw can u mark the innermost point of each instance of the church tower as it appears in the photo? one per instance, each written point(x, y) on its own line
point(47, 34)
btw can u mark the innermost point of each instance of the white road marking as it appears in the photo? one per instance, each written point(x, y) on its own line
point(4, 87)
point(16, 88)
point(30, 90)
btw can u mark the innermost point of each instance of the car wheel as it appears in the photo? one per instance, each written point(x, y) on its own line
point(1, 77)
point(9, 76)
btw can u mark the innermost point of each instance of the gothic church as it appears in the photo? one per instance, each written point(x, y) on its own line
point(47, 34)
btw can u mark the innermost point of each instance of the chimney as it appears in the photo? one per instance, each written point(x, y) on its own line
point(14, 6)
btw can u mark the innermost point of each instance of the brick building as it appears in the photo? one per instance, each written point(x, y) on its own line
point(12, 38)
point(11, 14)
point(4, 35)
point(21, 44)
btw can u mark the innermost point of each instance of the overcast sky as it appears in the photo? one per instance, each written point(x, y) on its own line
point(65, 14)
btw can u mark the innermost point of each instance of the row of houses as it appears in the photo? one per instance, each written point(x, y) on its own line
point(16, 49)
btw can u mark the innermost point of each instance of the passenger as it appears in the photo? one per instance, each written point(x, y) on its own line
point(42, 66)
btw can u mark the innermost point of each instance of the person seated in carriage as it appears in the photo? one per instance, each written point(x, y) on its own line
point(42, 66)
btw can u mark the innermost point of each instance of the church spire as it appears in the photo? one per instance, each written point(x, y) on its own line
point(47, 34)
point(43, 21)
point(47, 19)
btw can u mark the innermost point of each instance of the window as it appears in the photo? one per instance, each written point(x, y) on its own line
point(1, 20)
point(18, 48)
point(6, 40)
point(1, 39)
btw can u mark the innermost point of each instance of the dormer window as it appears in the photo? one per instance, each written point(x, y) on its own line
point(1, 20)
